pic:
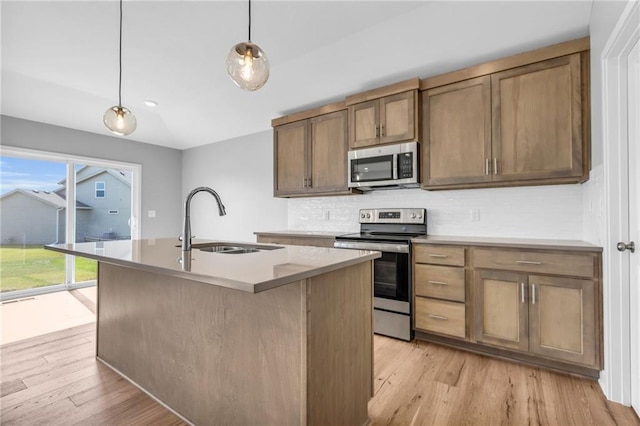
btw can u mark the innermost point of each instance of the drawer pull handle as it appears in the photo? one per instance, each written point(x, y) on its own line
point(528, 262)
point(438, 282)
point(522, 292)
point(438, 317)
point(533, 294)
point(440, 256)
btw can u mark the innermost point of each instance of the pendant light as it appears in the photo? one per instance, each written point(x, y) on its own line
point(119, 119)
point(247, 64)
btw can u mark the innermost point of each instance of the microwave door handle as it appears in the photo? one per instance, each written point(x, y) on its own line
point(395, 166)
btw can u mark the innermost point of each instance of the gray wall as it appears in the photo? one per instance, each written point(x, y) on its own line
point(241, 171)
point(161, 167)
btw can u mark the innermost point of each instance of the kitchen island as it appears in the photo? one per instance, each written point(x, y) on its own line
point(281, 336)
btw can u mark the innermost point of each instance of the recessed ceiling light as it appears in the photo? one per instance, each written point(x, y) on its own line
point(150, 103)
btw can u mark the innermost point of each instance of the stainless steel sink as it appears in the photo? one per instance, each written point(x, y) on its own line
point(228, 248)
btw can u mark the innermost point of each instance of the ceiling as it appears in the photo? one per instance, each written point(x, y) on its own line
point(60, 59)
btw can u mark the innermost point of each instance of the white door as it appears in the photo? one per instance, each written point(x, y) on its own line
point(633, 140)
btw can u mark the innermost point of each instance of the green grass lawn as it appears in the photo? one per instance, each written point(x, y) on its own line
point(23, 267)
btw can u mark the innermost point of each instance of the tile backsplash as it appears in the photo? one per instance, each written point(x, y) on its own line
point(553, 211)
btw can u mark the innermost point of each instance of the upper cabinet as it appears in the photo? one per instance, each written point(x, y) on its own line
point(385, 115)
point(310, 156)
point(519, 125)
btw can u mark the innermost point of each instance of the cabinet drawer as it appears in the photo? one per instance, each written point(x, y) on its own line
point(579, 265)
point(442, 282)
point(439, 255)
point(440, 316)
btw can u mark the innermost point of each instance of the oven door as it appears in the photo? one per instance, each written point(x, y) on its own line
point(391, 280)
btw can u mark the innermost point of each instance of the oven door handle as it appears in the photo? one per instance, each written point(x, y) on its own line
point(356, 245)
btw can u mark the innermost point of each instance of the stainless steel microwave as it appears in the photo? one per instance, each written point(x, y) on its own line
point(384, 167)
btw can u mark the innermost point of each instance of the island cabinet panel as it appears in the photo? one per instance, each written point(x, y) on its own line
point(457, 133)
point(300, 353)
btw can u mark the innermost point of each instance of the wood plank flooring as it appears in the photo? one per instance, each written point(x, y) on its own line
point(56, 380)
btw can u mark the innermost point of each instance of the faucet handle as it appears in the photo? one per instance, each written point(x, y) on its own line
point(179, 237)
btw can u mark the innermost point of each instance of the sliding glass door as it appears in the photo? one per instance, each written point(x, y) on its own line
point(47, 199)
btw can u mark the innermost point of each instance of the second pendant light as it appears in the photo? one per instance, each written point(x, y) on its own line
point(247, 64)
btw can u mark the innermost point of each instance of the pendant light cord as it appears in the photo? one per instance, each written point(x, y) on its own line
point(249, 20)
point(120, 61)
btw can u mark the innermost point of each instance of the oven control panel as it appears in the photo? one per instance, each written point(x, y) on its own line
point(418, 216)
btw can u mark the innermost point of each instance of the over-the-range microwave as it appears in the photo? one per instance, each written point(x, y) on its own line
point(384, 167)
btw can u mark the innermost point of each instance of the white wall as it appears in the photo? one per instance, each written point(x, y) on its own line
point(604, 17)
point(160, 166)
point(241, 171)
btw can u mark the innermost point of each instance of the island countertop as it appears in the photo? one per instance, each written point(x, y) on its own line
point(250, 272)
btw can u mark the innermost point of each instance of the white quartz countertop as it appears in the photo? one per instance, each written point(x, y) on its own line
point(250, 272)
point(301, 234)
point(526, 243)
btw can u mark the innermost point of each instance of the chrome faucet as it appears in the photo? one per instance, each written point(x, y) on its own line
point(186, 233)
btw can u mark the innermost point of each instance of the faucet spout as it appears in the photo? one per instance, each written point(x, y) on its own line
point(186, 232)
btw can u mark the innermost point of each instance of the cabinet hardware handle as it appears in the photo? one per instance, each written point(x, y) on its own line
point(377, 131)
point(381, 130)
point(495, 166)
point(438, 282)
point(522, 292)
point(533, 294)
point(486, 167)
point(438, 317)
point(309, 183)
point(438, 255)
point(528, 262)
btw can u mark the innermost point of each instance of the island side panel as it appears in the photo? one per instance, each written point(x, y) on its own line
point(340, 346)
point(214, 355)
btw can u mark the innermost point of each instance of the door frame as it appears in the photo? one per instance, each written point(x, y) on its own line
point(615, 92)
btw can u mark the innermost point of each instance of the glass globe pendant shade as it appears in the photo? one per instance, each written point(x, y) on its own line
point(248, 66)
point(120, 120)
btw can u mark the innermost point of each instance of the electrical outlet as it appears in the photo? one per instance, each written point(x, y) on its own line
point(151, 213)
point(327, 215)
point(475, 214)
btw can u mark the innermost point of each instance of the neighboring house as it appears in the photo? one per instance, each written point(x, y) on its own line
point(103, 209)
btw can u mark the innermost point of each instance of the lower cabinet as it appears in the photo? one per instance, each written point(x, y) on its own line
point(549, 316)
point(314, 241)
point(539, 306)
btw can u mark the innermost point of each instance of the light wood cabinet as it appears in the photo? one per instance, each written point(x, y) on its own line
point(384, 115)
point(314, 241)
point(547, 315)
point(310, 156)
point(523, 125)
point(439, 288)
point(385, 120)
point(457, 133)
point(538, 303)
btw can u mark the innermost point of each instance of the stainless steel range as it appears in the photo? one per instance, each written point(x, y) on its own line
point(389, 231)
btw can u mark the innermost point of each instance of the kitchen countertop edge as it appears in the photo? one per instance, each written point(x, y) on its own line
point(526, 243)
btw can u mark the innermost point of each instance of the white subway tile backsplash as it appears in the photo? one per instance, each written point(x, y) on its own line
point(527, 212)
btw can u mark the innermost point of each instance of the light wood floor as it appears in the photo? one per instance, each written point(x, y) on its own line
point(56, 380)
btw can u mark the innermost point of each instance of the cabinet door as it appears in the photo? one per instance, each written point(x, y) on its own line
point(537, 120)
point(290, 158)
point(397, 117)
point(457, 133)
point(364, 119)
point(501, 309)
point(329, 152)
point(562, 319)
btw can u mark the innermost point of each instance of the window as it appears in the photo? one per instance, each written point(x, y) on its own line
point(101, 189)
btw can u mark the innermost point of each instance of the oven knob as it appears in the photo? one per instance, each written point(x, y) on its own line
point(413, 215)
point(362, 215)
point(419, 215)
point(368, 216)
